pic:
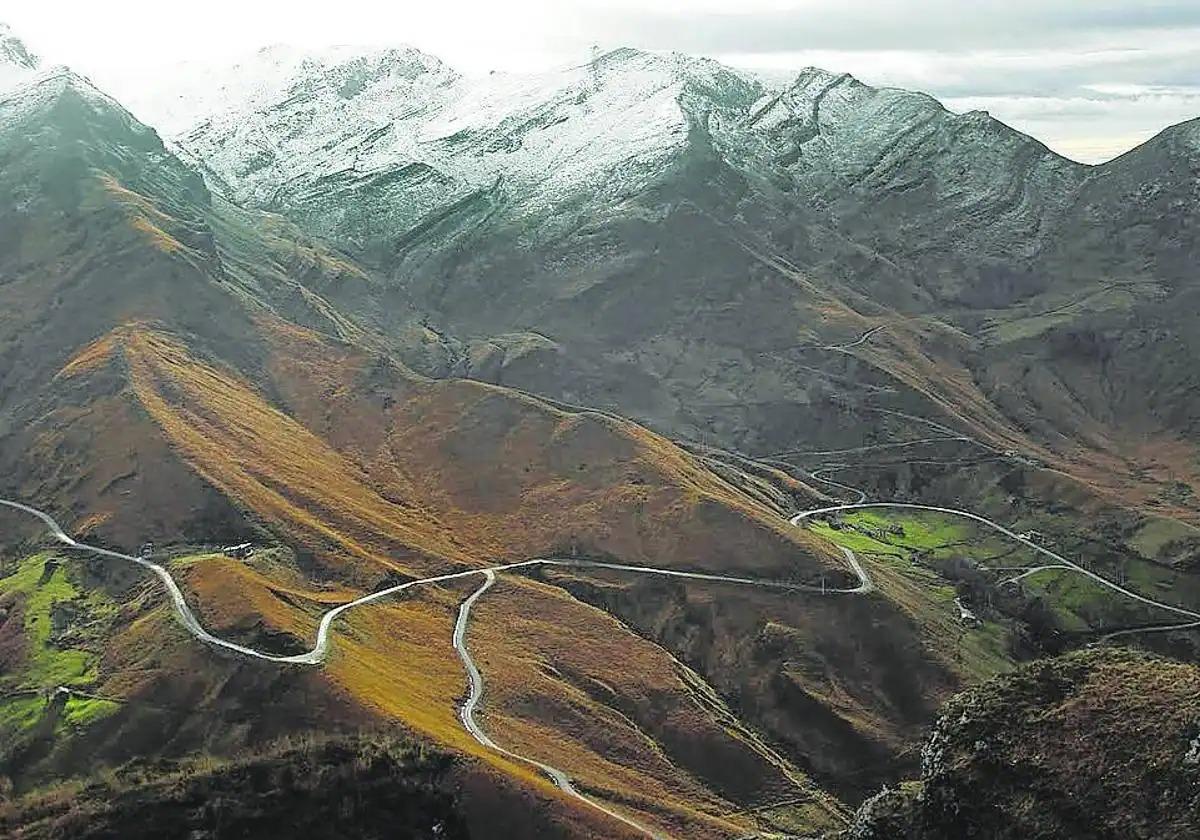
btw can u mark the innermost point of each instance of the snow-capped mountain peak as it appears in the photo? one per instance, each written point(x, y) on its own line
point(195, 92)
point(13, 50)
point(17, 63)
point(287, 123)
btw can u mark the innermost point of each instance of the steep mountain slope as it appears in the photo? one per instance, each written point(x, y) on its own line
point(188, 380)
point(674, 240)
point(1095, 745)
point(955, 207)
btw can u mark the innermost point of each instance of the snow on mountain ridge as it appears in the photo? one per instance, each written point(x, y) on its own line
point(14, 51)
point(37, 90)
point(194, 92)
point(603, 127)
point(17, 63)
point(566, 124)
point(374, 142)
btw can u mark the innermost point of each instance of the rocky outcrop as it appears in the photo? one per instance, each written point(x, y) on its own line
point(1091, 745)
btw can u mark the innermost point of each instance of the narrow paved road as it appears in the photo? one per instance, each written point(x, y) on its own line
point(995, 526)
point(466, 713)
point(1033, 571)
point(1156, 628)
point(320, 649)
point(903, 444)
point(819, 475)
point(858, 342)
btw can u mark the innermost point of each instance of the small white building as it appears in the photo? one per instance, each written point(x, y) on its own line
point(966, 616)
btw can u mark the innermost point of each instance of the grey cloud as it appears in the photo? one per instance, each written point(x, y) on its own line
point(936, 24)
point(1048, 74)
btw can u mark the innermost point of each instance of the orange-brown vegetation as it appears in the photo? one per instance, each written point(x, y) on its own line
point(518, 478)
point(846, 682)
point(372, 470)
point(579, 690)
point(273, 465)
point(394, 659)
point(94, 355)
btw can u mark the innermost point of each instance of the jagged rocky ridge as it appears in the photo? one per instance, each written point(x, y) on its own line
point(17, 63)
point(629, 232)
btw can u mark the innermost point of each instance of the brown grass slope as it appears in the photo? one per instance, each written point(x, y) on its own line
point(301, 488)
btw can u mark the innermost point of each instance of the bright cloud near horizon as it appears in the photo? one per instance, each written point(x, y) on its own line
point(1090, 78)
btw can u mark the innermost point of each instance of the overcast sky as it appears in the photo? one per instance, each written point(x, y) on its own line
point(1091, 78)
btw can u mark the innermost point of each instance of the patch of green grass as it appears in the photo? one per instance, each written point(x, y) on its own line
point(48, 663)
point(80, 711)
point(1162, 583)
point(903, 536)
point(1080, 603)
point(977, 652)
point(988, 649)
point(18, 714)
point(935, 536)
point(1156, 534)
point(857, 541)
point(868, 536)
point(921, 531)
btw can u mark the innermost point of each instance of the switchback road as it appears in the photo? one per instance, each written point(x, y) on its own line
point(320, 649)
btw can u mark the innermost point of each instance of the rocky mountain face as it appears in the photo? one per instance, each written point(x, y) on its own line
point(931, 193)
point(1059, 749)
point(680, 242)
point(371, 147)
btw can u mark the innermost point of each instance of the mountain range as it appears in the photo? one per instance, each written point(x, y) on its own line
point(679, 242)
point(634, 224)
point(385, 322)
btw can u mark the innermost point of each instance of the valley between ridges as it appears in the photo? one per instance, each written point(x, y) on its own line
point(318, 653)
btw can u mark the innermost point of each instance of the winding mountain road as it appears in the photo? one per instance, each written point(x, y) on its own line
point(903, 444)
point(995, 526)
point(320, 649)
point(466, 714)
point(819, 475)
